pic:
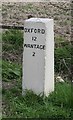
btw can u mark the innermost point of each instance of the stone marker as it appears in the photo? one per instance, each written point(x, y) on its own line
point(38, 56)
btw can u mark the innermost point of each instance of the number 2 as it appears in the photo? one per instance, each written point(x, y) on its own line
point(33, 54)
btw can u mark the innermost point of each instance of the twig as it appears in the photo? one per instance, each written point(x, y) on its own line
point(66, 66)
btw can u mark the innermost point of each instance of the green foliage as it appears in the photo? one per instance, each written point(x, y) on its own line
point(63, 52)
point(13, 39)
point(56, 105)
point(62, 95)
point(10, 70)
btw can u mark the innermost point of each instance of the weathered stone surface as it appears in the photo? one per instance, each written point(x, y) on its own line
point(38, 56)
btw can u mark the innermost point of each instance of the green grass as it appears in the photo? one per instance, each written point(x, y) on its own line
point(13, 40)
point(33, 106)
point(56, 105)
point(10, 71)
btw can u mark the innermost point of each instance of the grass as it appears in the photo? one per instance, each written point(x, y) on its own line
point(21, 107)
point(56, 105)
point(12, 39)
point(10, 71)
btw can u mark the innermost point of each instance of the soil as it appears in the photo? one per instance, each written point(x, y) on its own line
point(16, 13)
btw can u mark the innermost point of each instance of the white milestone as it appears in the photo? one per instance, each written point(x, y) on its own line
point(38, 56)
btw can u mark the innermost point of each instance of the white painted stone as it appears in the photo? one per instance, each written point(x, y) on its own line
point(38, 56)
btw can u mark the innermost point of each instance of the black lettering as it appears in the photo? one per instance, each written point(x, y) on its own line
point(31, 46)
point(35, 30)
point(42, 31)
point(38, 46)
point(38, 30)
point(25, 30)
point(34, 46)
point(33, 54)
point(25, 45)
point(43, 47)
point(31, 29)
point(34, 38)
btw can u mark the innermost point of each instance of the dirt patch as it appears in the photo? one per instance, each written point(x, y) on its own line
point(8, 85)
point(16, 13)
point(14, 57)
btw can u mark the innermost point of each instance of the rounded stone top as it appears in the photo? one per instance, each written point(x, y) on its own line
point(44, 20)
